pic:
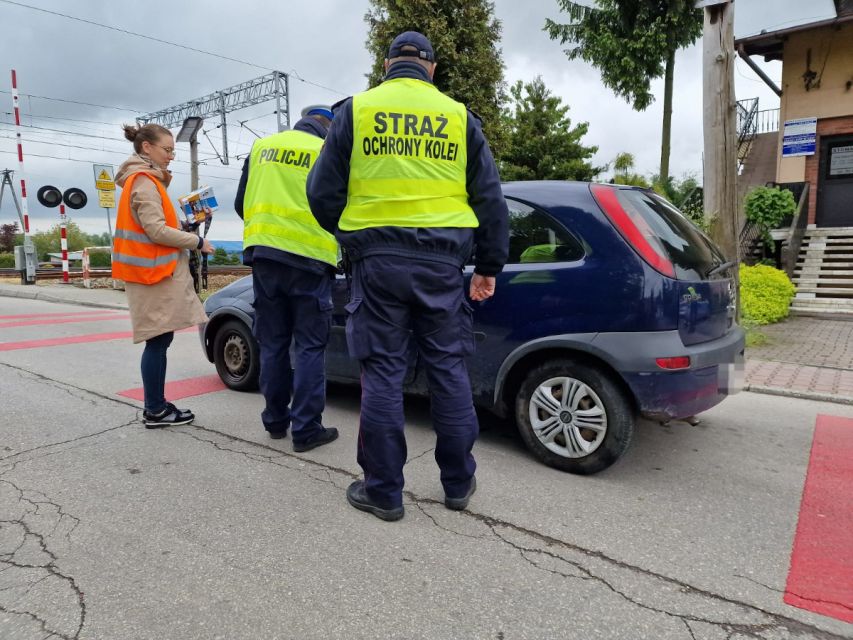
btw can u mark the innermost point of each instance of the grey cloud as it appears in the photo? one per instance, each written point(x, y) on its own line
point(323, 42)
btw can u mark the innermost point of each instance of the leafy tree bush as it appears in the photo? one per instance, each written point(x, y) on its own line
point(220, 256)
point(98, 259)
point(765, 294)
point(7, 260)
point(7, 237)
point(766, 207)
point(631, 42)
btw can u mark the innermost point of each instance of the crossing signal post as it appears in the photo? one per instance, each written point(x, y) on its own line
point(49, 196)
point(23, 209)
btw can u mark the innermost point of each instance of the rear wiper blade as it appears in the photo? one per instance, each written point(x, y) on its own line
point(720, 267)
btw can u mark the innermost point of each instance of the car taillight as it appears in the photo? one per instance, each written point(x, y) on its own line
point(634, 229)
point(680, 362)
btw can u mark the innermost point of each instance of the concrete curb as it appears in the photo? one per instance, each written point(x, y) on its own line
point(32, 293)
point(802, 395)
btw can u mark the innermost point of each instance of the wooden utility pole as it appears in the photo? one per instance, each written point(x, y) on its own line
point(720, 179)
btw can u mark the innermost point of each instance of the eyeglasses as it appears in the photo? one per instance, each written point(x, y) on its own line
point(170, 151)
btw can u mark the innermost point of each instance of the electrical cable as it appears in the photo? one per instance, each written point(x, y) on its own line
point(168, 42)
point(180, 173)
point(85, 104)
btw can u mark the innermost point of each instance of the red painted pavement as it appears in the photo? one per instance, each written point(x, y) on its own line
point(181, 388)
point(37, 321)
point(821, 574)
point(57, 342)
point(20, 316)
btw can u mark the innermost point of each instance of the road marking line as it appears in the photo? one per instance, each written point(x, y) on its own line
point(36, 321)
point(181, 388)
point(57, 342)
point(821, 575)
point(21, 316)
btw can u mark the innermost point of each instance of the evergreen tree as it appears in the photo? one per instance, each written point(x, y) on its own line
point(465, 37)
point(543, 144)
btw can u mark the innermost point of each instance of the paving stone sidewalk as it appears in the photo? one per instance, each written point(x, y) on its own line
point(805, 357)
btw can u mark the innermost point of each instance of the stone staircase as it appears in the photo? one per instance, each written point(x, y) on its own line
point(824, 273)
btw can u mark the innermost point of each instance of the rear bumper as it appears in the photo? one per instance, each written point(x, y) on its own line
point(716, 371)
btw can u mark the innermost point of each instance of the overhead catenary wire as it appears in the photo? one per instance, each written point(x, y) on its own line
point(180, 173)
point(40, 116)
point(85, 135)
point(69, 101)
point(112, 151)
point(170, 43)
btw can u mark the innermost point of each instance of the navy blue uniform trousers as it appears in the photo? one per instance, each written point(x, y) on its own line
point(393, 301)
point(292, 305)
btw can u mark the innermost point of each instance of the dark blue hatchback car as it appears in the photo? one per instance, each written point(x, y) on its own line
point(612, 306)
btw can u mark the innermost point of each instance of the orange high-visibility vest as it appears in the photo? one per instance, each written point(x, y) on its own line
point(135, 257)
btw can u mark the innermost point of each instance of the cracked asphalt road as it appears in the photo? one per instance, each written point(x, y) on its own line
point(111, 531)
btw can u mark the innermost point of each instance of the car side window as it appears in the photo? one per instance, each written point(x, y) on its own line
point(536, 237)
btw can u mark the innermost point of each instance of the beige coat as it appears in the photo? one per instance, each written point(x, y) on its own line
point(172, 303)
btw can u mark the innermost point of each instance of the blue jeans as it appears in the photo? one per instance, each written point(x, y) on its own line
point(154, 371)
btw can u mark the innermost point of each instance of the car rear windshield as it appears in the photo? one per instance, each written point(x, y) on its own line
point(691, 252)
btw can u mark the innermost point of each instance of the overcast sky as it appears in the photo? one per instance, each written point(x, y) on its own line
point(321, 42)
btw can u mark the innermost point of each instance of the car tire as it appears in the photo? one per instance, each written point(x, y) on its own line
point(585, 434)
point(236, 355)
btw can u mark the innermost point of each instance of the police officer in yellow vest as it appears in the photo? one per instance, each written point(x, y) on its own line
point(293, 265)
point(408, 184)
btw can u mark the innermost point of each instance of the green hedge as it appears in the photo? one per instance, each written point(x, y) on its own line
point(99, 259)
point(765, 294)
point(7, 260)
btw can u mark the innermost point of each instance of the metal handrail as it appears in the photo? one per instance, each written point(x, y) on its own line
point(747, 121)
point(750, 234)
point(767, 120)
point(795, 233)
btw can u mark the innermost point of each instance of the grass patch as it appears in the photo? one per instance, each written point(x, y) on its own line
point(755, 338)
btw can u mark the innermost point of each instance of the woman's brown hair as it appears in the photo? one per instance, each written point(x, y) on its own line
point(146, 133)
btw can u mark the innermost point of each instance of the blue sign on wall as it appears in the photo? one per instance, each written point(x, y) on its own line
point(799, 137)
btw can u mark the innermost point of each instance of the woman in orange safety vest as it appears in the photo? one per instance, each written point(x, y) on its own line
point(150, 255)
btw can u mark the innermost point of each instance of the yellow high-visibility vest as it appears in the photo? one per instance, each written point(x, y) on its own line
point(275, 208)
point(409, 157)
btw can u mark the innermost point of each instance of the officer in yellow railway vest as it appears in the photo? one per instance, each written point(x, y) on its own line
point(293, 265)
point(408, 184)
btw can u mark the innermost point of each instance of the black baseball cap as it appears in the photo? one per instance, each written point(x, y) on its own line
point(421, 44)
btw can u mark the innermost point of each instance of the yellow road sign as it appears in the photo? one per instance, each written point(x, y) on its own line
point(106, 199)
point(104, 177)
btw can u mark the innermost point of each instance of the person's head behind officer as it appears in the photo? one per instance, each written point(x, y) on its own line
point(320, 112)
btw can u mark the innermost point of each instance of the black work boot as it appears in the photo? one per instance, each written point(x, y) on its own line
point(459, 504)
point(325, 436)
point(357, 497)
